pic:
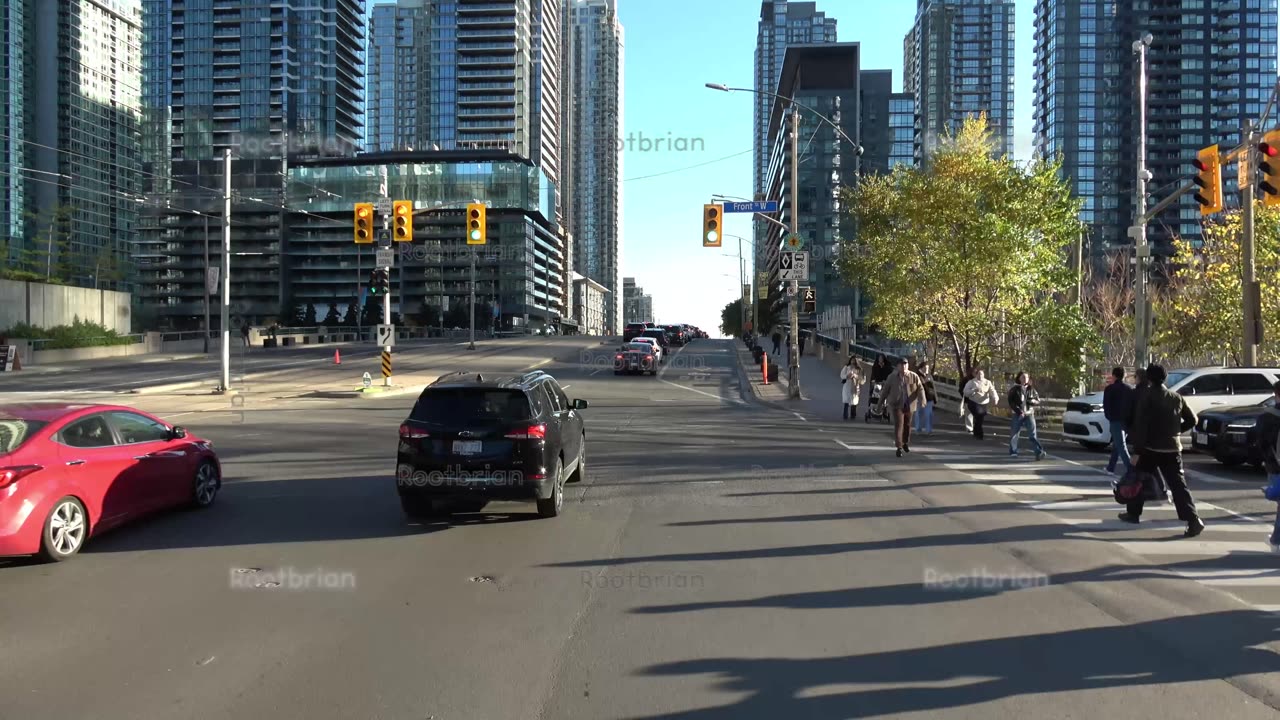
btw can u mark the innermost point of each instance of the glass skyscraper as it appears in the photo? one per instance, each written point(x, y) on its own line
point(591, 135)
point(782, 23)
point(902, 121)
point(1211, 65)
point(958, 63)
point(70, 134)
point(269, 81)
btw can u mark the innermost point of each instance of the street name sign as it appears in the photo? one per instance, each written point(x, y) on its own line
point(759, 206)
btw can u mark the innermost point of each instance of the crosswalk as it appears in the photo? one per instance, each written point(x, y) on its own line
point(1232, 554)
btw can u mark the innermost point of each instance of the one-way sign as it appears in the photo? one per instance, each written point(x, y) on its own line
point(794, 265)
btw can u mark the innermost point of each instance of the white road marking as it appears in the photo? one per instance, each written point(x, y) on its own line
point(1023, 477)
point(735, 401)
point(847, 446)
point(1194, 547)
point(1223, 526)
point(533, 367)
point(593, 372)
point(1016, 489)
point(800, 416)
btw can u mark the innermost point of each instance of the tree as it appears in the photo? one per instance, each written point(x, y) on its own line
point(971, 249)
point(309, 316)
point(731, 319)
point(428, 315)
point(1201, 319)
point(332, 318)
point(350, 319)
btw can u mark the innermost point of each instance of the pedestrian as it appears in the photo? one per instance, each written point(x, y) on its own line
point(244, 334)
point(803, 337)
point(881, 370)
point(1268, 439)
point(979, 393)
point(903, 395)
point(850, 384)
point(924, 418)
point(1160, 418)
point(1023, 400)
point(777, 342)
point(1117, 406)
point(965, 415)
point(1140, 388)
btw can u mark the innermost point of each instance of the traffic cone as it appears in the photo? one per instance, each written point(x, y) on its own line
point(337, 358)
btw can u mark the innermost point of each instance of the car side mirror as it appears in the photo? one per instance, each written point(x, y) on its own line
point(177, 433)
point(580, 405)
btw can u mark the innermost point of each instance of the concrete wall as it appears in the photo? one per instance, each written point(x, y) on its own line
point(51, 305)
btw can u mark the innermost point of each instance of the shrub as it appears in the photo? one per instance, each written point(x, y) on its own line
point(78, 334)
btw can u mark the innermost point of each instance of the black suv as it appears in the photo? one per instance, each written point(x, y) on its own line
point(475, 438)
point(633, 330)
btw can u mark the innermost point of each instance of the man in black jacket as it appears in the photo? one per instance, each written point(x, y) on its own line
point(1022, 402)
point(1160, 418)
point(1117, 405)
point(1268, 435)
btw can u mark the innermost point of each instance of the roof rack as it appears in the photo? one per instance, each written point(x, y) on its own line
point(451, 375)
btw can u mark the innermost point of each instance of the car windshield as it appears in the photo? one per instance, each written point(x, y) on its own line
point(14, 432)
point(640, 347)
point(1175, 378)
point(448, 405)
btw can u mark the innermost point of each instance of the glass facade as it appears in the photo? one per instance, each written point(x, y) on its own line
point(1211, 65)
point(592, 137)
point(902, 120)
point(782, 23)
point(958, 63)
point(15, 69)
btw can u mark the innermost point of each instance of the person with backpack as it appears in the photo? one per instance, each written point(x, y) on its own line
point(1268, 439)
point(1160, 418)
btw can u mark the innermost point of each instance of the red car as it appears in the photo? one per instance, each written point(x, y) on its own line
point(71, 471)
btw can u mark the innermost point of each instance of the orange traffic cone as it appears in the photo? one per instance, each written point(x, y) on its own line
point(337, 358)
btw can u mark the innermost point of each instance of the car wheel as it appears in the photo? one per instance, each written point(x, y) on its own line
point(206, 485)
point(65, 530)
point(617, 372)
point(581, 473)
point(417, 508)
point(554, 505)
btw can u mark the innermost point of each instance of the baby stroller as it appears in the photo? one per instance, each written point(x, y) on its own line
point(873, 405)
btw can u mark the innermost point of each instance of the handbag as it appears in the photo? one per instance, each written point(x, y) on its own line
point(1272, 491)
point(1139, 483)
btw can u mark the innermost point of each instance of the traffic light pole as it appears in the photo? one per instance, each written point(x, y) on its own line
point(386, 297)
point(1138, 232)
point(472, 345)
point(1250, 279)
point(793, 307)
point(225, 385)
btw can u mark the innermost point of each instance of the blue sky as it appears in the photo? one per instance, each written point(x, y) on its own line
point(671, 49)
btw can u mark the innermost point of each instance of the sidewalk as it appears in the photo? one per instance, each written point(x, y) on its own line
point(774, 393)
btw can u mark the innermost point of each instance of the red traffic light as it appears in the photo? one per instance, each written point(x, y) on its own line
point(1268, 149)
point(1200, 165)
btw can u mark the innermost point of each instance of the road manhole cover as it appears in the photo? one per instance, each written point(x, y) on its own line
point(481, 579)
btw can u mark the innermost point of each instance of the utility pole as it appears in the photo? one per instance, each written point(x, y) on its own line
point(1250, 278)
point(793, 305)
point(472, 346)
point(1138, 232)
point(225, 386)
point(206, 283)
point(386, 245)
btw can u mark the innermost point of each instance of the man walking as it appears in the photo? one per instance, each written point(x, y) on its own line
point(1160, 418)
point(1117, 406)
point(903, 395)
point(1268, 439)
point(777, 342)
point(1022, 402)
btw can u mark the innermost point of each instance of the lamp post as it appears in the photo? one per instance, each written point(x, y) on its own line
point(1139, 230)
point(793, 307)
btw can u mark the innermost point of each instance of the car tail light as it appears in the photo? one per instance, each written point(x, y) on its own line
point(648, 357)
point(411, 433)
point(533, 432)
point(14, 473)
point(617, 357)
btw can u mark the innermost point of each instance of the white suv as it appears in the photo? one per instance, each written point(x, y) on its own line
point(1202, 388)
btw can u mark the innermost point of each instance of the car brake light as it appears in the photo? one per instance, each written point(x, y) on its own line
point(11, 475)
point(617, 357)
point(410, 433)
point(533, 432)
point(648, 357)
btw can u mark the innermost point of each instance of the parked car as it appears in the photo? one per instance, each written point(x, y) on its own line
point(1203, 388)
point(1229, 434)
point(70, 472)
point(635, 357)
point(474, 439)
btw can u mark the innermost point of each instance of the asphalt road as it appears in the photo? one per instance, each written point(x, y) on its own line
point(721, 560)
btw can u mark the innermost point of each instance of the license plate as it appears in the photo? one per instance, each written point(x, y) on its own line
point(1200, 438)
point(467, 447)
point(1237, 437)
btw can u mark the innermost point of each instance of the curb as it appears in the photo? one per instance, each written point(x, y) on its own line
point(748, 388)
point(172, 387)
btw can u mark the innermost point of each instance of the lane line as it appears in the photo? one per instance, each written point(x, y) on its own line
point(1196, 546)
point(800, 416)
point(1013, 489)
point(847, 446)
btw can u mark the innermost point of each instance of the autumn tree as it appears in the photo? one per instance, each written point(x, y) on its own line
point(1202, 317)
point(971, 249)
point(731, 319)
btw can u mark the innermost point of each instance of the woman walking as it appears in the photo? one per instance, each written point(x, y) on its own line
point(850, 385)
point(924, 418)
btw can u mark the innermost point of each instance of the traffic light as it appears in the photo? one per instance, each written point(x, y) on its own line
point(402, 220)
point(379, 282)
point(1209, 178)
point(364, 222)
point(374, 285)
point(711, 230)
point(477, 231)
point(1269, 164)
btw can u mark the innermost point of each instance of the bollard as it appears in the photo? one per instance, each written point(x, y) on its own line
point(765, 369)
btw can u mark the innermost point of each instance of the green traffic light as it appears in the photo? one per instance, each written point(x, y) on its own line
point(475, 234)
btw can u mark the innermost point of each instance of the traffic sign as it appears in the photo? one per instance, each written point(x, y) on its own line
point(791, 292)
point(793, 241)
point(386, 364)
point(384, 257)
point(794, 265)
point(384, 238)
point(366, 380)
point(385, 335)
point(766, 206)
point(762, 278)
point(810, 300)
point(383, 205)
point(764, 292)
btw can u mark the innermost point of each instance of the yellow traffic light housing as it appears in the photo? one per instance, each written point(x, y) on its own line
point(364, 222)
point(1209, 177)
point(477, 231)
point(1269, 164)
point(402, 220)
point(712, 233)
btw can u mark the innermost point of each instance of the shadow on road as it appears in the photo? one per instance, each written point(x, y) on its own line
point(983, 671)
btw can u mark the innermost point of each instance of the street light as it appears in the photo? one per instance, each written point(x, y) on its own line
point(1138, 232)
point(793, 389)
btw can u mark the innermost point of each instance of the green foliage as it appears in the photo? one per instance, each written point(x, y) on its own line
point(78, 334)
point(970, 249)
point(731, 319)
point(428, 315)
point(309, 316)
point(350, 319)
point(332, 318)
